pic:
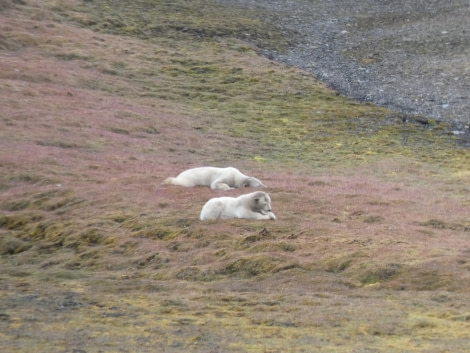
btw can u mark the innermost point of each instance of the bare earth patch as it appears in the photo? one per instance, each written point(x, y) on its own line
point(370, 250)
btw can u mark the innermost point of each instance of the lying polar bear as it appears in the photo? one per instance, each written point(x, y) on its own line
point(256, 205)
point(216, 178)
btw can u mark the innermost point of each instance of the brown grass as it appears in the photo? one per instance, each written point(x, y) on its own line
point(369, 252)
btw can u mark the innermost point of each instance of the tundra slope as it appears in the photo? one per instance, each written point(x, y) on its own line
point(411, 57)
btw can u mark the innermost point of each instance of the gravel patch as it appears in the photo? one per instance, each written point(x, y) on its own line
point(410, 56)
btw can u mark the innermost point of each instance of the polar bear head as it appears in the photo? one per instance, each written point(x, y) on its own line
point(260, 202)
point(251, 182)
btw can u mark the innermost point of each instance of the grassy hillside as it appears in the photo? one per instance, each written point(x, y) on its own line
point(102, 100)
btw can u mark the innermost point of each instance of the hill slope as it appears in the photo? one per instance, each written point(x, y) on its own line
point(101, 101)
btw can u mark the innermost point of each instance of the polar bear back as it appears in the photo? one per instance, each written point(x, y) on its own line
point(201, 176)
point(218, 208)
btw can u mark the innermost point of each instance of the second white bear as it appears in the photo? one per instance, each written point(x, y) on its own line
point(215, 178)
point(256, 205)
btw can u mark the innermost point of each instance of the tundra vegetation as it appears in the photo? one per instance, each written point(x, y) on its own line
point(102, 100)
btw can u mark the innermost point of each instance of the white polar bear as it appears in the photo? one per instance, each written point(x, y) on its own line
point(216, 178)
point(256, 205)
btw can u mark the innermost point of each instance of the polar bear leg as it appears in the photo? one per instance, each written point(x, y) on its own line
point(220, 185)
point(168, 180)
point(256, 215)
point(181, 181)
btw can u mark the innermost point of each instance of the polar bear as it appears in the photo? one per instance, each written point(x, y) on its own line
point(217, 178)
point(256, 205)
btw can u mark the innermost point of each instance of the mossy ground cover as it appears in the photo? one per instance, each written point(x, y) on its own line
point(101, 101)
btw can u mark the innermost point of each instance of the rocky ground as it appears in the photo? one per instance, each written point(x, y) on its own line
point(411, 56)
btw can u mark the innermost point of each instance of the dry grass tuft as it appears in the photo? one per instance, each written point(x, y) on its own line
point(12, 245)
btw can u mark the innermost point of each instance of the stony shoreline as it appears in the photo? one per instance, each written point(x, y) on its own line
point(411, 57)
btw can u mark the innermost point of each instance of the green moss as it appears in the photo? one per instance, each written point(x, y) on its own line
point(153, 232)
point(72, 56)
point(438, 224)
point(69, 275)
point(48, 230)
point(373, 219)
point(198, 20)
point(194, 274)
point(59, 144)
point(250, 266)
point(23, 177)
point(16, 205)
point(89, 237)
point(18, 221)
point(381, 274)
point(338, 265)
